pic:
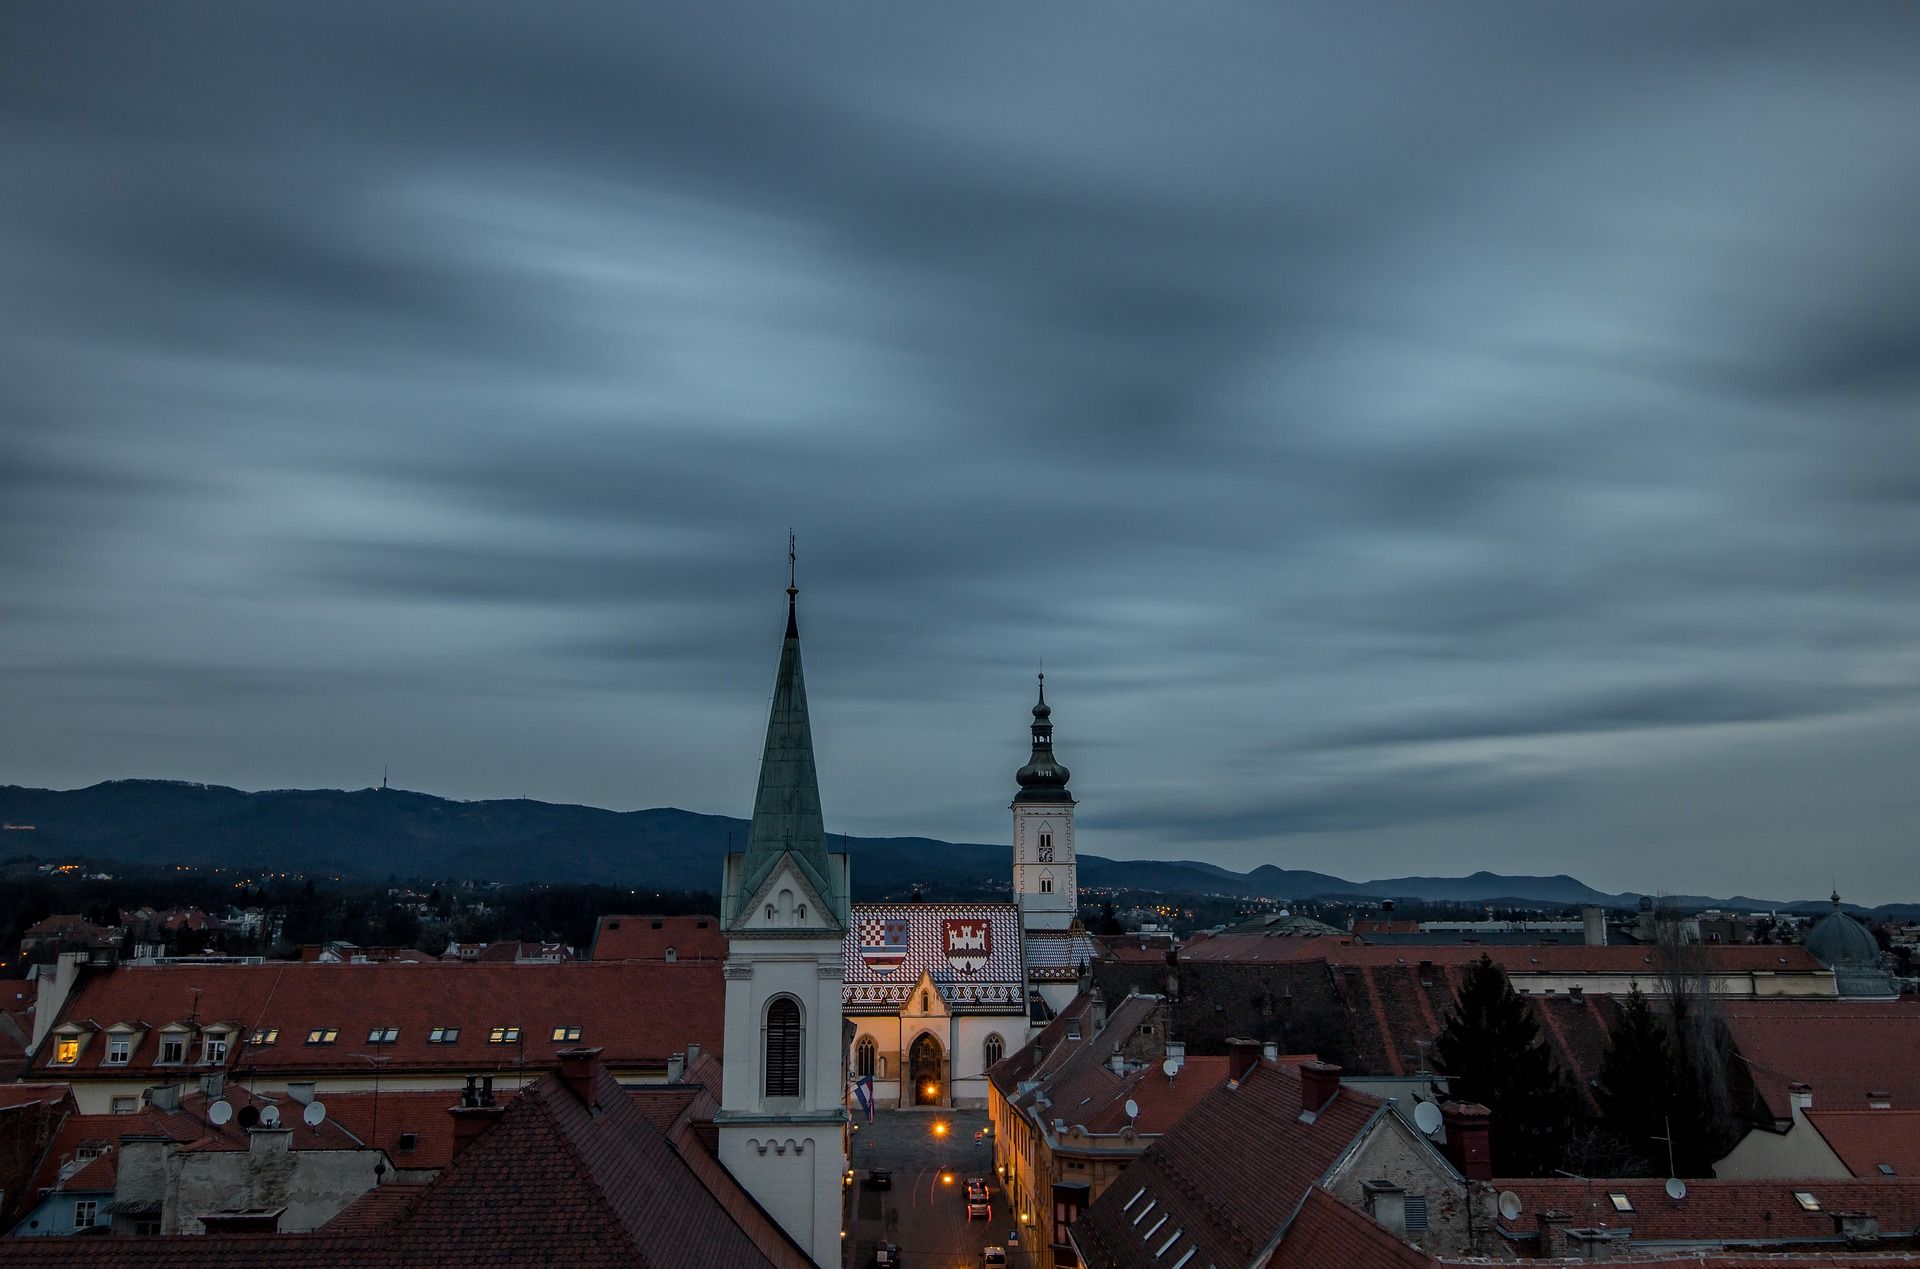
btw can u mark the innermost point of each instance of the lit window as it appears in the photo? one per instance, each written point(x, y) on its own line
point(1806, 1200)
point(173, 1050)
point(443, 1035)
point(383, 1035)
point(1621, 1202)
point(85, 1212)
point(264, 1035)
point(566, 1033)
point(504, 1035)
point(119, 1050)
point(323, 1035)
point(66, 1050)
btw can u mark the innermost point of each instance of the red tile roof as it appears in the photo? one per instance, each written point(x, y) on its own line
point(1718, 1210)
point(1866, 1139)
point(1226, 1178)
point(1541, 958)
point(378, 1209)
point(32, 1094)
point(427, 1116)
point(555, 1181)
point(647, 938)
point(1329, 1233)
point(1843, 1050)
point(638, 1013)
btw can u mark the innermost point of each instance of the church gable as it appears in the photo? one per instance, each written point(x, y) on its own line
point(970, 953)
point(786, 901)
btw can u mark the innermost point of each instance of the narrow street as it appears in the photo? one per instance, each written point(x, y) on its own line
point(924, 1214)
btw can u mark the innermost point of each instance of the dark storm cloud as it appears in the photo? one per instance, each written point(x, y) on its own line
point(1416, 427)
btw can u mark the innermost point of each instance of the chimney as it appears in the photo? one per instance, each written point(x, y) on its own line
point(1598, 1244)
point(1097, 1006)
point(1242, 1056)
point(1319, 1081)
point(475, 1114)
point(1467, 1139)
point(213, 1083)
point(1270, 1050)
point(1799, 1096)
point(693, 1056)
point(1117, 1063)
point(1594, 922)
point(676, 1068)
point(269, 1140)
point(1177, 1054)
point(580, 1068)
point(1577, 994)
point(1554, 1225)
point(1386, 1203)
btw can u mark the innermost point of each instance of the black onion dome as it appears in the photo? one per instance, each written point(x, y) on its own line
point(1043, 779)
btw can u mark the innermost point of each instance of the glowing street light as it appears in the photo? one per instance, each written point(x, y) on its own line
point(939, 1127)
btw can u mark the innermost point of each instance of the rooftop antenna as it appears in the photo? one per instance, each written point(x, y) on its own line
point(383, 776)
point(793, 587)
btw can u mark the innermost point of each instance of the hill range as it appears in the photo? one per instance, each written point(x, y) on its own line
point(375, 833)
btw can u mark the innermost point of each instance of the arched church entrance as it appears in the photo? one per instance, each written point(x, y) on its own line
point(923, 1060)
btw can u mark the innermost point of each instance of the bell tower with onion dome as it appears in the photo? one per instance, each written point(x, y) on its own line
point(1045, 878)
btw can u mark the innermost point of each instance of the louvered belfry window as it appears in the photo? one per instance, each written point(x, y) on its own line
point(783, 1049)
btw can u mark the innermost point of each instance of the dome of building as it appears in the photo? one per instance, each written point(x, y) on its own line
point(1840, 940)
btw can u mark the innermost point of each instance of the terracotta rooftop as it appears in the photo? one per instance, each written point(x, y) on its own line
point(555, 1181)
point(1744, 1211)
point(1224, 1180)
point(649, 938)
point(1843, 1050)
point(1869, 1140)
point(661, 1009)
point(1543, 958)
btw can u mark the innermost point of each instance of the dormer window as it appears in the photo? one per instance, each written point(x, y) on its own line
point(561, 1033)
point(119, 1049)
point(213, 1050)
point(66, 1050)
point(383, 1035)
point(173, 1049)
point(323, 1035)
point(672, 955)
point(504, 1035)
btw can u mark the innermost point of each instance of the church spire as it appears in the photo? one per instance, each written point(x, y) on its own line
point(786, 807)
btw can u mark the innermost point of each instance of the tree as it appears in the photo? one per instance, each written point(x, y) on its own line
point(1108, 922)
point(1492, 1053)
point(1701, 1106)
point(1636, 1084)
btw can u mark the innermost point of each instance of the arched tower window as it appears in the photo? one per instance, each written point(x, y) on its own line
point(994, 1049)
point(783, 1048)
point(1046, 883)
point(866, 1056)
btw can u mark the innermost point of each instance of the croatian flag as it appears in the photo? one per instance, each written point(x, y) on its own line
point(863, 1090)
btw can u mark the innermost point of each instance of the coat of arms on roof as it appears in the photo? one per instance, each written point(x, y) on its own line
point(968, 943)
point(883, 943)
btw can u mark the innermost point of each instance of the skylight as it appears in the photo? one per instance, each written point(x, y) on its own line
point(264, 1035)
point(443, 1035)
point(383, 1035)
point(504, 1035)
point(323, 1035)
point(1620, 1201)
point(566, 1033)
point(1806, 1200)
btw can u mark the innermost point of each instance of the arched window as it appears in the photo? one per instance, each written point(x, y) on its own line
point(783, 1048)
point(672, 956)
point(866, 1056)
point(801, 912)
point(926, 1003)
point(995, 1048)
point(769, 912)
point(1046, 883)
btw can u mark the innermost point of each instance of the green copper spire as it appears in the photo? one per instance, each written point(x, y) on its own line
point(786, 809)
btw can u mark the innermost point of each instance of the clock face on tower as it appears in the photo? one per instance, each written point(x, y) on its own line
point(1046, 848)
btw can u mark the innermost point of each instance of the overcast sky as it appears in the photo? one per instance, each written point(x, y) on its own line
point(1416, 438)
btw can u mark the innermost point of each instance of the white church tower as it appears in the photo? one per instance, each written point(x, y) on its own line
point(1045, 878)
point(785, 909)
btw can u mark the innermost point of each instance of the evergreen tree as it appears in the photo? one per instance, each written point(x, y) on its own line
point(1492, 1053)
point(1636, 1088)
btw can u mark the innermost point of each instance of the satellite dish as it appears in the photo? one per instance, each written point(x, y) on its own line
point(1426, 1117)
point(1676, 1188)
point(1509, 1205)
point(219, 1112)
point(1133, 1109)
point(249, 1116)
point(1170, 1067)
point(270, 1116)
point(315, 1114)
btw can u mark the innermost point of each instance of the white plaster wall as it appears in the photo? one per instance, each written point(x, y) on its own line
point(1039, 911)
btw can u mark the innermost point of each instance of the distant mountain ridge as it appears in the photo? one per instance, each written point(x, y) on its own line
point(374, 833)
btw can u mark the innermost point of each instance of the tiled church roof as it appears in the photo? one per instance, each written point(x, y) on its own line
point(889, 945)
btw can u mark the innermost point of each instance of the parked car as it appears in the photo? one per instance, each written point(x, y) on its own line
point(976, 1185)
point(879, 1179)
point(993, 1257)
